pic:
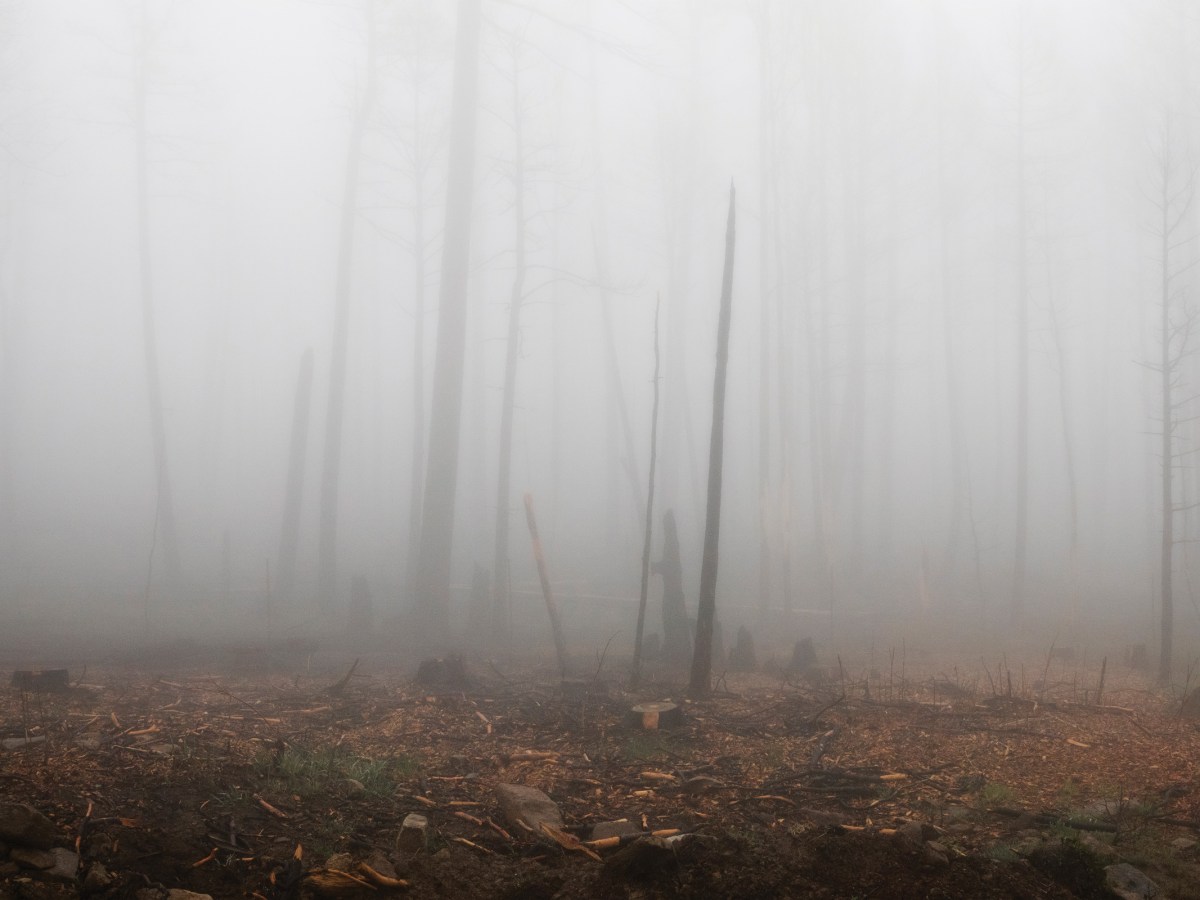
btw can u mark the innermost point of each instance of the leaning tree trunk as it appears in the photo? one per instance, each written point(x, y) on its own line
point(335, 407)
point(165, 531)
point(289, 538)
point(432, 601)
point(706, 611)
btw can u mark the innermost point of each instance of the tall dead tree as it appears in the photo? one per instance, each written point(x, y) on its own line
point(500, 571)
point(289, 539)
point(706, 611)
point(641, 620)
point(1176, 175)
point(335, 407)
point(432, 600)
point(1017, 599)
point(165, 528)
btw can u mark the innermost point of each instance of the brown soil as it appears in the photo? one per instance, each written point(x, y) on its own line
point(241, 785)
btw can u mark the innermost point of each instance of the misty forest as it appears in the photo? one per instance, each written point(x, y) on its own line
point(776, 421)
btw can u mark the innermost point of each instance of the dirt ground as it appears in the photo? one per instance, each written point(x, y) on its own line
point(266, 772)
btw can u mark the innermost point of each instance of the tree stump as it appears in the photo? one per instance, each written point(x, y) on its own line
point(654, 714)
point(42, 680)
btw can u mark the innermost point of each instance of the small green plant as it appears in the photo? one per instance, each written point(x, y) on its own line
point(309, 772)
point(994, 794)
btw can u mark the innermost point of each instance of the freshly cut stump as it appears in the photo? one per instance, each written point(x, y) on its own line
point(654, 714)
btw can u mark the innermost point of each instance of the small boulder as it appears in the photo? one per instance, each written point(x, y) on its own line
point(97, 879)
point(527, 807)
point(1129, 883)
point(414, 834)
point(23, 825)
point(31, 858)
point(19, 743)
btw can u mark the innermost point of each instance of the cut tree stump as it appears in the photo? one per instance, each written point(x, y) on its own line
point(654, 714)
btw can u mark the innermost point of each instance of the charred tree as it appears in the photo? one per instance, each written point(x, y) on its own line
point(335, 406)
point(677, 631)
point(165, 528)
point(289, 538)
point(432, 598)
point(641, 620)
point(706, 611)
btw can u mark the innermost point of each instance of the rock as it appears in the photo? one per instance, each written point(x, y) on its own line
point(181, 894)
point(414, 834)
point(450, 672)
point(742, 658)
point(1100, 848)
point(619, 828)
point(89, 741)
point(1183, 845)
point(66, 865)
point(21, 742)
point(381, 864)
point(913, 835)
point(97, 879)
point(23, 825)
point(342, 862)
point(30, 858)
point(1129, 883)
point(53, 680)
point(937, 854)
point(643, 858)
point(60, 863)
point(354, 786)
point(528, 807)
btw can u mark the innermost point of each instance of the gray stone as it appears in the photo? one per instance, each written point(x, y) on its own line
point(619, 828)
point(936, 854)
point(60, 863)
point(342, 862)
point(90, 741)
point(66, 865)
point(97, 879)
point(527, 807)
point(181, 894)
point(23, 825)
point(414, 834)
point(1129, 883)
point(1183, 845)
point(21, 742)
point(31, 858)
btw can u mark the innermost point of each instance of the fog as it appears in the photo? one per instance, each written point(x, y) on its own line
point(947, 310)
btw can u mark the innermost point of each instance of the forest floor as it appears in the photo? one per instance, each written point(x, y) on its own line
point(266, 775)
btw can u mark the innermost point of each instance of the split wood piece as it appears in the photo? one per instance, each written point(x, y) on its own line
point(654, 714)
point(621, 840)
point(529, 756)
point(569, 841)
point(380, 879)
point(273, 810)
point(473, 845)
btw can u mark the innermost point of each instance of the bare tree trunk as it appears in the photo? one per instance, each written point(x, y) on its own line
point(441, 481)
point(765, 498)
point(706, 611)
point(500, 573)
point(165, 505)
point(646, 543)
point(335, 407)
point(418, 347)
point(289, 538)
point(1022, 348)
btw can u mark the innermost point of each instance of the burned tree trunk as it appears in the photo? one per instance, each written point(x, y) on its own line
point(706, 612)
point(677, 633)
point(641, 621)
point(289, 538)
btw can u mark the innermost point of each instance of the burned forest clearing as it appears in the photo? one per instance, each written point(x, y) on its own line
point(279, 774)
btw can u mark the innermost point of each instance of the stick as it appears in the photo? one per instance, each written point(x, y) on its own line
point(1100, 689)
point(547, 592)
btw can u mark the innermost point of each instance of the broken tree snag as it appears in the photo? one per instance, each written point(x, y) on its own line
point(448, 672)
point(46, 680)
point(547, 592)
point(653, 715)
